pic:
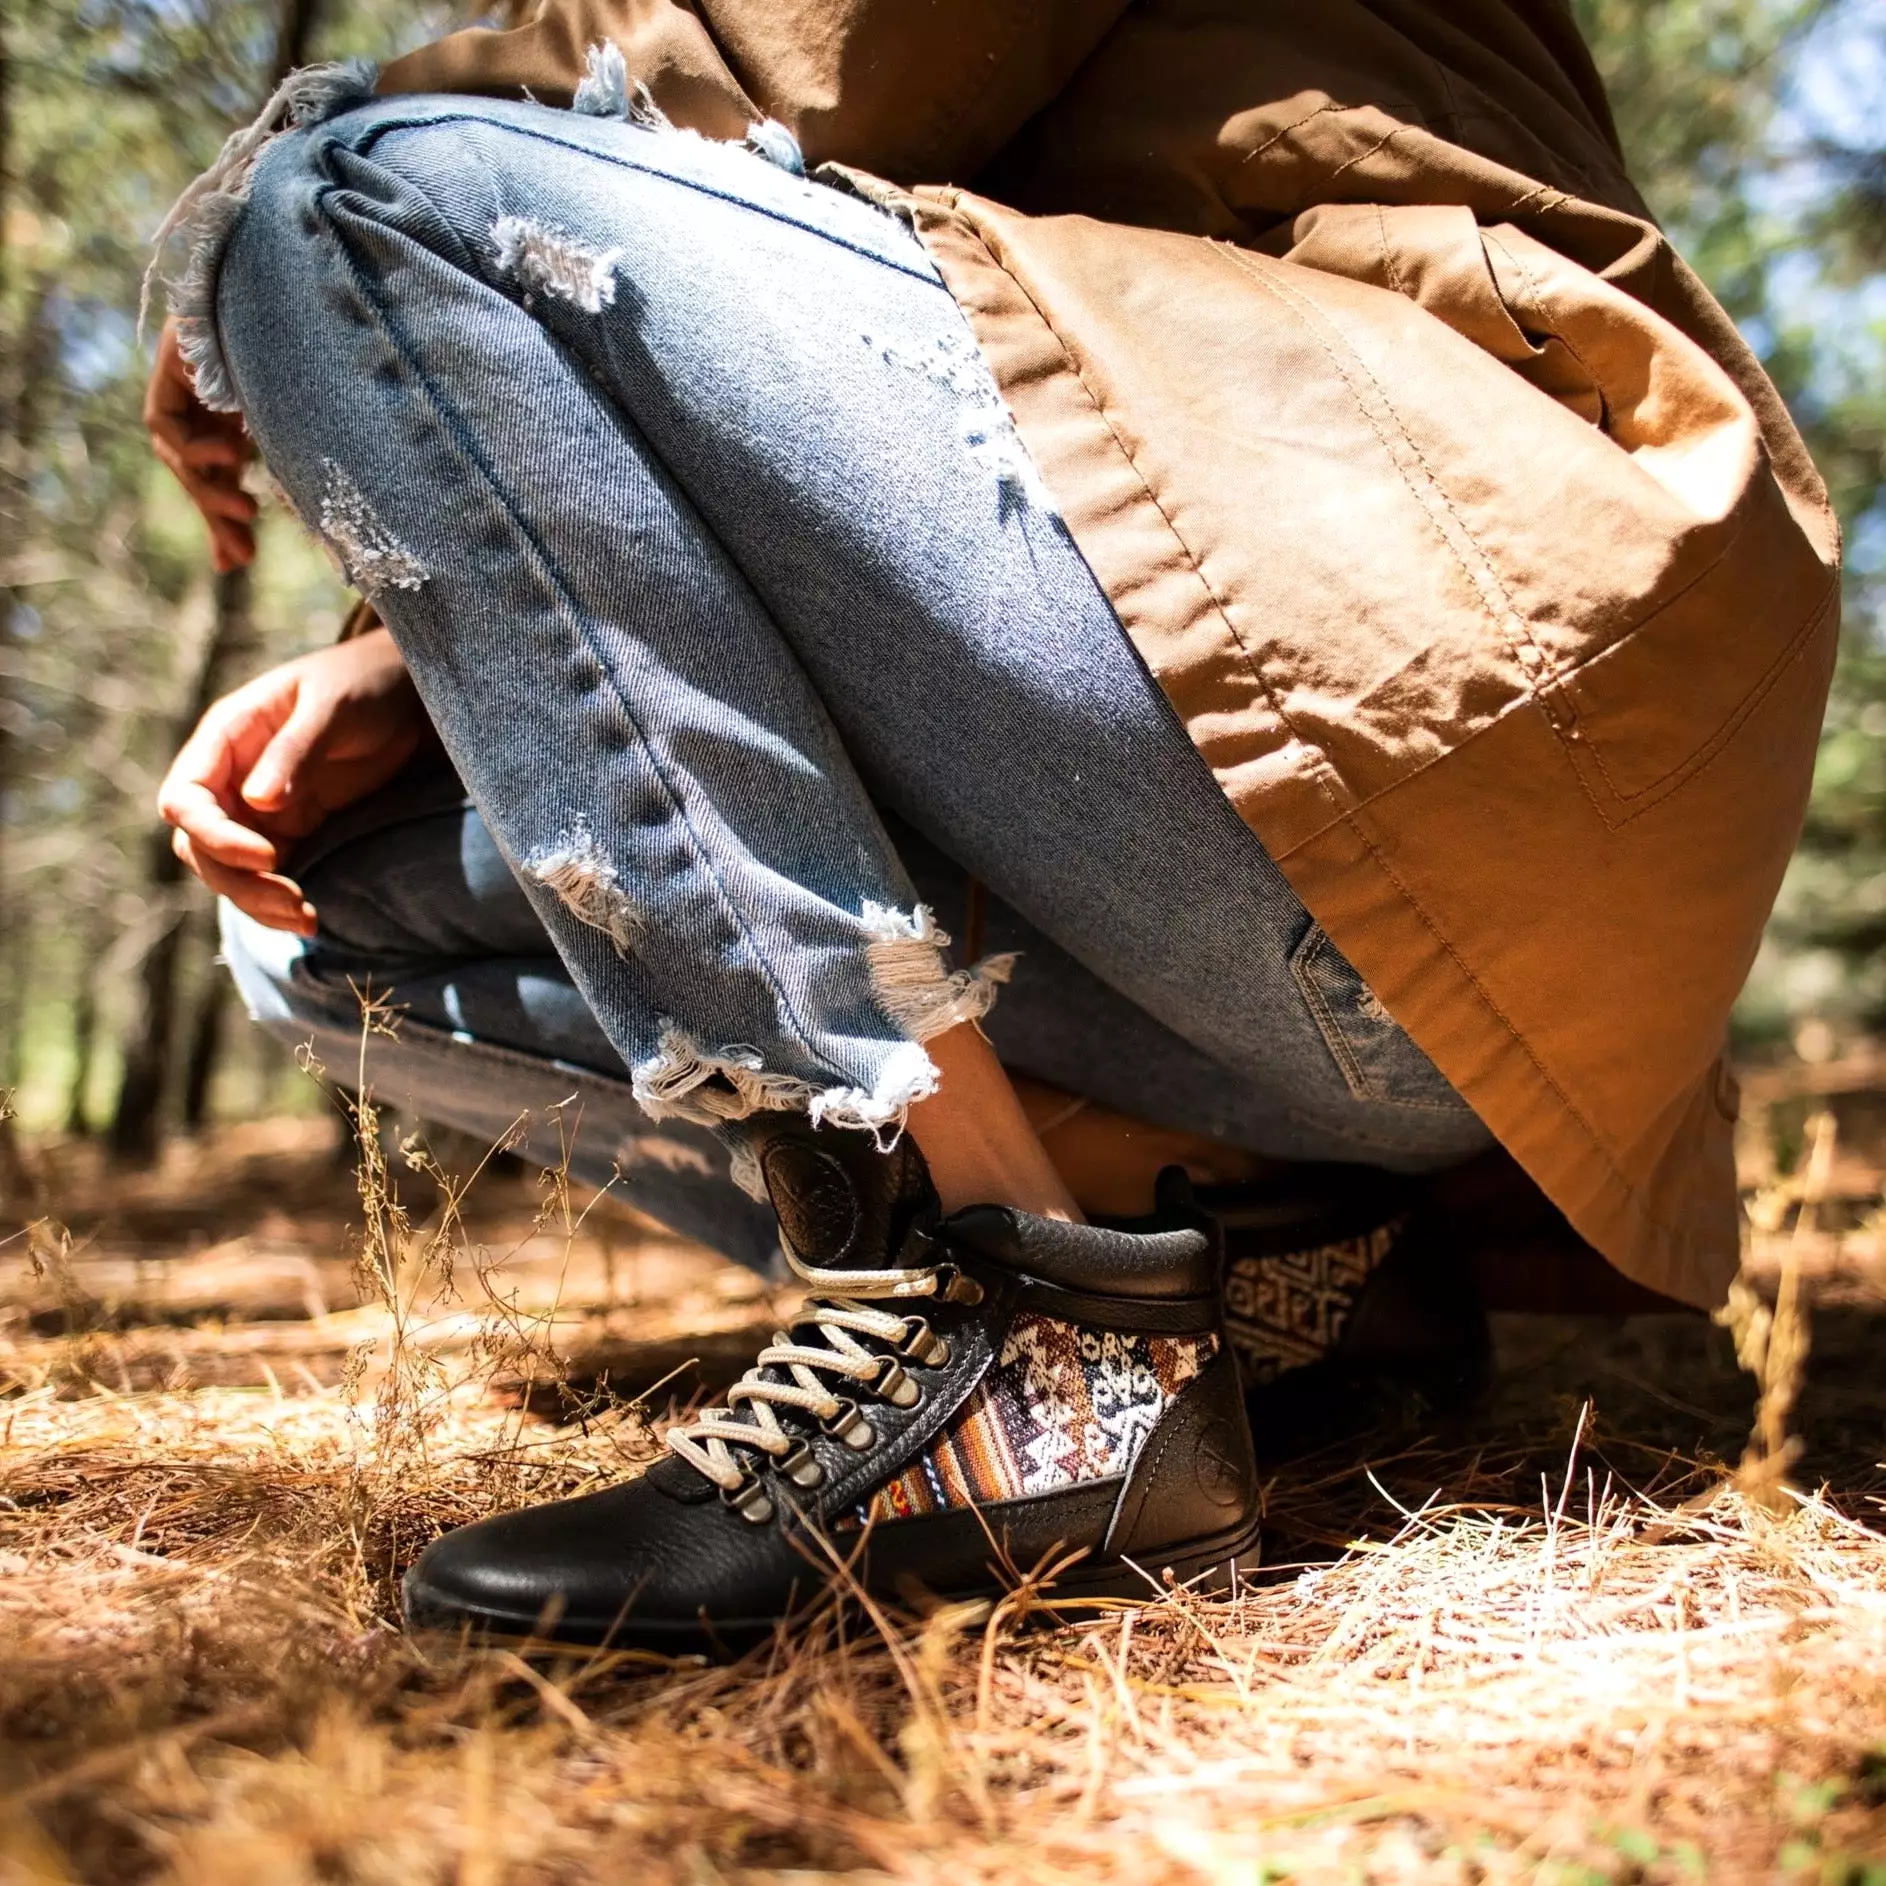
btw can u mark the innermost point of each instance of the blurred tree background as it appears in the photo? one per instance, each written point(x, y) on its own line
point(1756, 127)
point(113, 633)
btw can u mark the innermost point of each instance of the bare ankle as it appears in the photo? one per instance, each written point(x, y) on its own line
point(976, 1138)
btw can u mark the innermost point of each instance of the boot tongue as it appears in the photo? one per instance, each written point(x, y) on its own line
point(842, 1204)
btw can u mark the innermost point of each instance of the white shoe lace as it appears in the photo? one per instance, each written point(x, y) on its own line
point(749, 1419)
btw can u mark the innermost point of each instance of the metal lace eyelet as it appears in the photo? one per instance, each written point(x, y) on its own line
point(922, 1345)
point(849, 1426)
point(750, 1500)
point(800, 1466)
point(957, 1286)
point(892, 1383)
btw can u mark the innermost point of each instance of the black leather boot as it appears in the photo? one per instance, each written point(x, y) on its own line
point(1348, 1306)
point(954, 1387)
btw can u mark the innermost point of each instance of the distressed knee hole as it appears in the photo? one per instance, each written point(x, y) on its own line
point(371, 558)
point(543, 259)
point(985, 425)
point(580, 873)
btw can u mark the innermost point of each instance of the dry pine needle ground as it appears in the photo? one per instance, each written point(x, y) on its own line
point(1523, 1649)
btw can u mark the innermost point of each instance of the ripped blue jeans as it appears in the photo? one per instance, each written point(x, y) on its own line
point(711, 548)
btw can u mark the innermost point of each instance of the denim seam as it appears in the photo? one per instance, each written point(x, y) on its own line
point(1336, 1038)
point(383, 127)
point(398, 343)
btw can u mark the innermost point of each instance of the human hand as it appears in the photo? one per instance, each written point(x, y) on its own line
point(206, 450)
point(269, 762)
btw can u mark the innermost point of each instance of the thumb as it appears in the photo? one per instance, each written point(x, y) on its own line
point(272, 779)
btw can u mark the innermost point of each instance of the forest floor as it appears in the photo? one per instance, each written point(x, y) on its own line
point(1561, 1637)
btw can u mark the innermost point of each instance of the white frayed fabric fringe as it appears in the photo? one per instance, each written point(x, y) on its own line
point(605, 91)
point(683, 1080)
point(904, 953)
point(584, 877)
point(992, 442)
point(205, 214)
point(546, 260)
point(919, 995)
point(768, 138)
point(743, 1168)
point(371, 558)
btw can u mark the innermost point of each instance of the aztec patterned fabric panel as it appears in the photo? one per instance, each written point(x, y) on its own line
point(1063, 1403)
point(1289, 1308)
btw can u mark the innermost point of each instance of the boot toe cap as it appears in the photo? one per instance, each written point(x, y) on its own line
point(627, 1567)
point(523, 1572)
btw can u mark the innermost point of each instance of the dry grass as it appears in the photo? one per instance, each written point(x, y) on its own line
point(1551, 1642)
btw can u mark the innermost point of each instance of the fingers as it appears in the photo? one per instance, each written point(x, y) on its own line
point(198, 794)
point(232, 547)
point(217, 500)
point(274, 901)
point(271, 779)
point(204, 451)
point(215, 450)
point(212, 834)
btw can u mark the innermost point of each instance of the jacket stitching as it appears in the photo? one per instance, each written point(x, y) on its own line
point(1532, 295)
point(1388, 255)
point(1296, 124)
point(1563, 679)
point(1707, 753)
point(1712, 749)
point(1411, 119)
point(1513, 630)
point(1381, 144)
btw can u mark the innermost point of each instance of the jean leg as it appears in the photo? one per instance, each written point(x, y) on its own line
point(489, 1035)
point(643, 747)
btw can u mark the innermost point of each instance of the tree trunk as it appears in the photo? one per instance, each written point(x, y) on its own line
point(137, 1121)
point(85, 1030)
point(206, 1037)
point(13, 1173)
point(136, 1125)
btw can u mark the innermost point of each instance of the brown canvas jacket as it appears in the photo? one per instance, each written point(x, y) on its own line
point(1466, 536)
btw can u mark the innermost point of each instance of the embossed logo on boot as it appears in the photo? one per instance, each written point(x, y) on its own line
point(813, 1195)
point(1215, 1462)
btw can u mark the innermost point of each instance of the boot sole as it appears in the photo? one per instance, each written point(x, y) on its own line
point(1207, 1568)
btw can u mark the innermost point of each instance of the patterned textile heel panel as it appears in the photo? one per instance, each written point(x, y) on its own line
point(1064, 1404)
point(1288, 1308)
